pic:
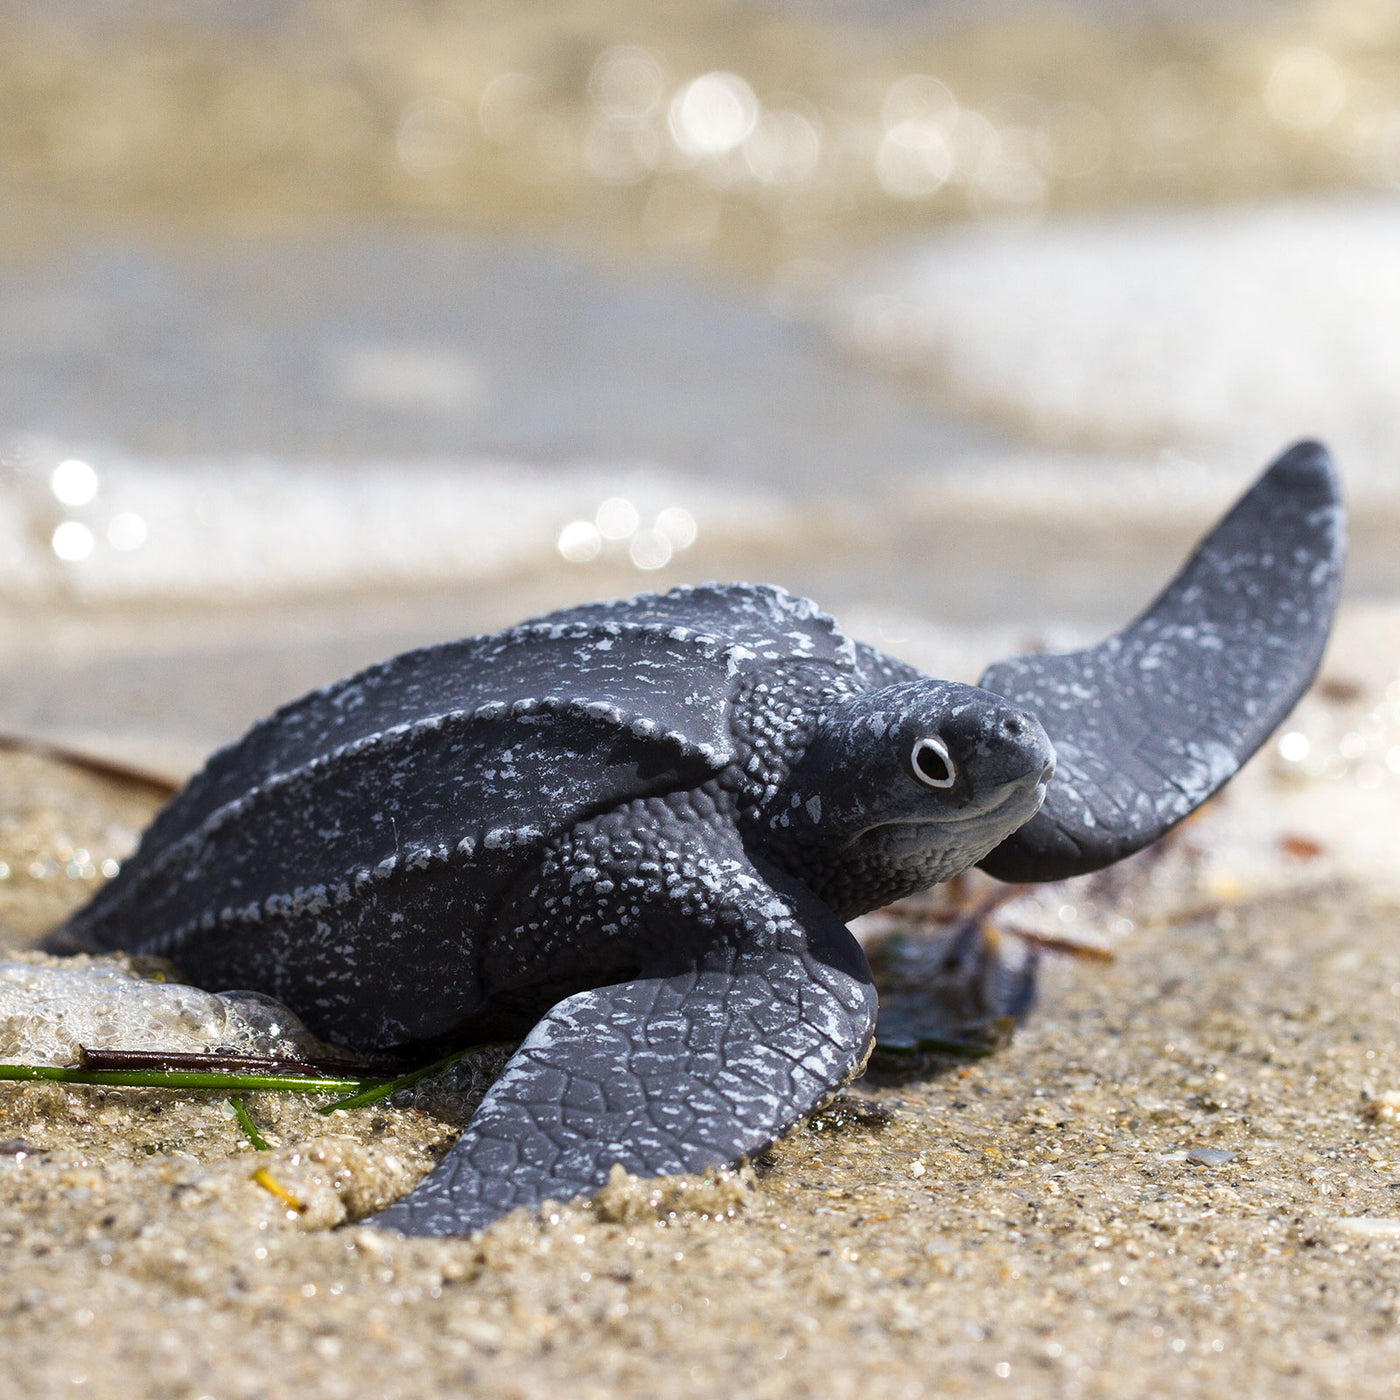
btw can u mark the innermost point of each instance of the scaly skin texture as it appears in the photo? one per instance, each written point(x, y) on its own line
point(633, 888)
point(635, 830)
point(666, 1072)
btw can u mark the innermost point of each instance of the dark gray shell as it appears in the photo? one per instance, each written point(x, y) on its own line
point(406, 797)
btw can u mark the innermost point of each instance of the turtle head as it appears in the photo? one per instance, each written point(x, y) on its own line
point(902, 787)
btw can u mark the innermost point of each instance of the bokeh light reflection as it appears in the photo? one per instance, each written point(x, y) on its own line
point(72, 542)
point(917, 97)
point(580, 542)
point(1363, 747)
point(649, 549)
point(784, 148)
point(914, 159)
point(617, 518)
point(712, 114)
point(1305, 89)
point(626, 84)
point(73, 482)
point(617, 531)
point(678, 526)
point(126, 531)
point(555, 110)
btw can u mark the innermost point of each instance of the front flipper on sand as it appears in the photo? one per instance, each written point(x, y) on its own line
point(678, 1073)
point(1150, 723)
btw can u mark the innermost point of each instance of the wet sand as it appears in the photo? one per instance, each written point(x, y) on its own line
point(1182, 1176)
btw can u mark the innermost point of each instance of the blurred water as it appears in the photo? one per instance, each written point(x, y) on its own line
point(401, 341)
point(367, 326)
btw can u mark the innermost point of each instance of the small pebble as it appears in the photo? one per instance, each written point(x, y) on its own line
point(1384, 1107)
point(1210, 1156)
point(1370, 1226)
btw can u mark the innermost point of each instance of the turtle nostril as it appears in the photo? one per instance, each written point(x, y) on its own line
point(1012, 725)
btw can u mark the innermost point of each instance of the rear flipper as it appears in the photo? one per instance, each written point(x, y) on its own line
point(1150, 723)
point(664, 1074)
point(959, 989)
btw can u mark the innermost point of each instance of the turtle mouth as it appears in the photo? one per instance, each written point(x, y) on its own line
point(1029, 795)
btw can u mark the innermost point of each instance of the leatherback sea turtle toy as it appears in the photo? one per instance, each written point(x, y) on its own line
point(632, 833)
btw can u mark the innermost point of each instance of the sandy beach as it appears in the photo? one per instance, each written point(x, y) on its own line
point(1182, 1176)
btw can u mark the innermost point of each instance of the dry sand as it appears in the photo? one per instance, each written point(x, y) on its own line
point(1182, 1177)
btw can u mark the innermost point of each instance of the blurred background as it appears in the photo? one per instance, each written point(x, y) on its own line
point(328, 329)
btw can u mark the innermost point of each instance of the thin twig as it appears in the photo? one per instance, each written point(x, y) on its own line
point(1059, 943)
point(92, 763)
point(229, 1062)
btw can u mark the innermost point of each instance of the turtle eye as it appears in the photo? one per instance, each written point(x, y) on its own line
point(933, 764)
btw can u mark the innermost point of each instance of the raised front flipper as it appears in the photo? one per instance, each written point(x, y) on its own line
point(663, 1074)
point(1150, 723)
